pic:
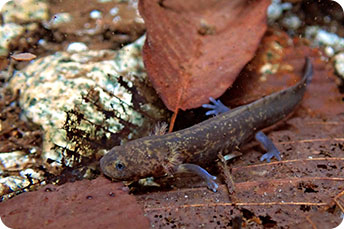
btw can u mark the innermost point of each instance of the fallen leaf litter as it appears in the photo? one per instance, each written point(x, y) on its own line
point(252, 203)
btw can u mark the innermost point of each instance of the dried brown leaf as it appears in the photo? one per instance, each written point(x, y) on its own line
point(83, 204)
point(279, 194)
point(196, 49)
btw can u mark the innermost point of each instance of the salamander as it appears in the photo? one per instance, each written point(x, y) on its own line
point(198, 145)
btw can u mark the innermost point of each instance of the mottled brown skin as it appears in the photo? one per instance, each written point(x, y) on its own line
point(201, 143)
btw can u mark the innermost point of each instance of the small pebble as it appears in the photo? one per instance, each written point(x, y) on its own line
point(329, 51)
point(114, 11)
point(76, 47)
point(112, 194)
point(339, 64)
point(292, 22)
point(96, 14)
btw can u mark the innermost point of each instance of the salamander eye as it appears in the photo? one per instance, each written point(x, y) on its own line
point(119, 166)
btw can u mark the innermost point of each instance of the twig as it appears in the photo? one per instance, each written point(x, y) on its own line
point(337, 202)
point(288, 161)
point(311, 222)
point(233, 204)
point(227, 174)
point(173, 120)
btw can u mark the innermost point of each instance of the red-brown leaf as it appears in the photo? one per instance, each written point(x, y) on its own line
point(97, 203)
point(196, 49)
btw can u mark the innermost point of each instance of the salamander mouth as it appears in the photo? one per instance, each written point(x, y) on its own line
point(103, 167)
point(102, 163)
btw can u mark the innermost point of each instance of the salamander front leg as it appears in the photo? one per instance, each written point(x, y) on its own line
point(216, 108)
point(271, 149)
point(192, 168)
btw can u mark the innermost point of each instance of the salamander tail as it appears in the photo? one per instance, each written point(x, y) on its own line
point(308, 71)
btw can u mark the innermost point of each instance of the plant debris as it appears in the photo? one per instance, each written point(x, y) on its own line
point(25, 56)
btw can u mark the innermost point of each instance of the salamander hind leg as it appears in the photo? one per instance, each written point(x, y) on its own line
point(271, 149)
point(192, 168)
point(175, 165)
point(217, 107)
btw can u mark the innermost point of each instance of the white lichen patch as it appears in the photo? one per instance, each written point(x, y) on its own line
point(32, 173)
point(25, 11)
point(268, 69)
point(14, 160)
point(13, 182)
point(276, 9)
point(7, 33)
point(58, 19)
point(291, 22)
point(52, 85)
point(19, 163)
point(323, 38)
point(20, 16)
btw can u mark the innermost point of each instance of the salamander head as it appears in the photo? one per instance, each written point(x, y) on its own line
point(121, 163)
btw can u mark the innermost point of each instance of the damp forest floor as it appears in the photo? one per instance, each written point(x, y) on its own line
point(303, 190)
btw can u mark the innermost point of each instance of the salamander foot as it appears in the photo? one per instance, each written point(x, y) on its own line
point(212, 185)
point(271, 149)
point(269, 155)
point(216, 108)
point(198, 170)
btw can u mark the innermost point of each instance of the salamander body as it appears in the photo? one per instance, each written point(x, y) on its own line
point(201, 143)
